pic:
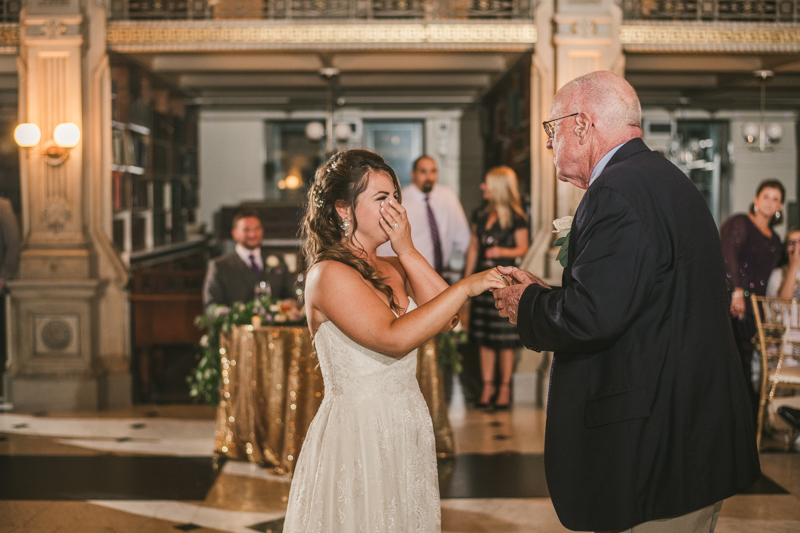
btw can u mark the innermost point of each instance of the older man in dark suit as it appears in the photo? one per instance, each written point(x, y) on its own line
point(233, 277)
point(648, 425)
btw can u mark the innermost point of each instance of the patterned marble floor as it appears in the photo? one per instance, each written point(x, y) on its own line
point(150, 469)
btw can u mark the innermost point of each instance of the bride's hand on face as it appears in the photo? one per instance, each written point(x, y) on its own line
point(483, 281)
point(394, 222)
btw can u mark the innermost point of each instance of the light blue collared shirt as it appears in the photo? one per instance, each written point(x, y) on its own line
point(601, 165)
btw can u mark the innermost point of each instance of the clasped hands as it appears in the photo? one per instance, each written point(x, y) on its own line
point(507, 299)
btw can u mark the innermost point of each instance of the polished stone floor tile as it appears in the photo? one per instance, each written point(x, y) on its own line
point(158, 436)
point(500, 460)
point(250, 488)
point(105, 477)
point(516, 430)
point(502, 475)
point(757, 526)
point(500, 516)
point(81, 517)
point(235, 521)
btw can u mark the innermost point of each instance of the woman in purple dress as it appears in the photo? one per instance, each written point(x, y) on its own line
point(751, 250)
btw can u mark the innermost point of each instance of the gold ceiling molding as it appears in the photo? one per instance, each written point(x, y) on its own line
point(9, 38)
point(224, 35)
point(710, 37)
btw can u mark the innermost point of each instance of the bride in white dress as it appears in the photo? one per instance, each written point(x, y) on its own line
point(368, 462)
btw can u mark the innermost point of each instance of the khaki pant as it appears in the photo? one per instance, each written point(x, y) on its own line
point(701, 521)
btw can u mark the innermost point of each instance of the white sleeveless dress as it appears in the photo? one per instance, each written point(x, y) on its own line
point(368, 463)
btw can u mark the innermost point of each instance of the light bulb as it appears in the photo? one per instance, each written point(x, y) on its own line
point(292, 182)
point(315, 130)
point(27, 135)
point(774, 132)
point(750, 131)
point(67, 135)
point(342, 131)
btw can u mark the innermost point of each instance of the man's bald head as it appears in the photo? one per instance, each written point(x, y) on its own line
point(590, 116)
point(609, 99)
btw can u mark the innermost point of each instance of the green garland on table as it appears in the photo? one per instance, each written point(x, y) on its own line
point(449, 356)
point(204, 379)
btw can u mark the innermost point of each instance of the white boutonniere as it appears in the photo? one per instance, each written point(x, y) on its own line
point(563, 226)
point(273, 261)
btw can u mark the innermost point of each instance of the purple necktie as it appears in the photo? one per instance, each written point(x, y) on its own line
point(437, 244)
point(254, 266)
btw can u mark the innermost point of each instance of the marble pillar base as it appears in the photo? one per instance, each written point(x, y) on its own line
point(54, 394)
point(53, 359)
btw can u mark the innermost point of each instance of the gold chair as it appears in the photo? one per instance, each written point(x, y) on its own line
point(778, 323)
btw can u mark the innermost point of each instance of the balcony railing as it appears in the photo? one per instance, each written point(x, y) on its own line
point(321, 9)
point(9, 10)
point(712, 10)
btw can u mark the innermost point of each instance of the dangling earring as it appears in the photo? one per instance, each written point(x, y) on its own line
point(346, 226)
point(755, 209)
point(777, 215)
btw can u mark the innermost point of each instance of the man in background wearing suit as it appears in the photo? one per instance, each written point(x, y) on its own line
point(233, 277)
point(440, 231)
point(648, 424)
point(9, 263)
point(439, 228)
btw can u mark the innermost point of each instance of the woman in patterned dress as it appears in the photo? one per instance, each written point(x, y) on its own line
point(499, 238)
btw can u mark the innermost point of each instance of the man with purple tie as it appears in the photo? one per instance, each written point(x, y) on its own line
point(234, 276)
point(439, 227)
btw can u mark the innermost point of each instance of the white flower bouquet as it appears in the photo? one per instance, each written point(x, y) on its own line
point(563, 226)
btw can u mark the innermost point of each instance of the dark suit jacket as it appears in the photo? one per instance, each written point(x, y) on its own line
point(229, 280)
point(648, 415)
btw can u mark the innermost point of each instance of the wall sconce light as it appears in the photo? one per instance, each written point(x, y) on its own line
point(342, 131)
point(27, 135)
point(66, 136)
point(762, 137)
point(315, 130)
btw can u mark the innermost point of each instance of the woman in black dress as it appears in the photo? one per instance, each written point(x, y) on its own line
point(751, 250)
point(499, 238)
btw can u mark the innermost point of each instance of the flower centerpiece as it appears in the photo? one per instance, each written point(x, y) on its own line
point(204, 379)
point(563, 226)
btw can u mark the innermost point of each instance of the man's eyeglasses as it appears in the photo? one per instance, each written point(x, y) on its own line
point(549, 129)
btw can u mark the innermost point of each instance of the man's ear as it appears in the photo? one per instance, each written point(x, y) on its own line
point(584, 122)
point(342, 209)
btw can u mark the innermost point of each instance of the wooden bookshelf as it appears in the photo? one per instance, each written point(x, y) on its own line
point(508, 131)
point(154, 171)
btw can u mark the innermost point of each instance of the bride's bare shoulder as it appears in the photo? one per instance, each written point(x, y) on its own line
point(327, 270)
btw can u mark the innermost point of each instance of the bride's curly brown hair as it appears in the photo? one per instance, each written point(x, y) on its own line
point(342, 179)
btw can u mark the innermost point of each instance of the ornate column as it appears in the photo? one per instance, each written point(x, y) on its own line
point(59, 313)
point(543, 177)
point(529, 384)
point(586, 38)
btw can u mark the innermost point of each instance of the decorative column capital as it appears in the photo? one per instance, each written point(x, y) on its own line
point(62, 30)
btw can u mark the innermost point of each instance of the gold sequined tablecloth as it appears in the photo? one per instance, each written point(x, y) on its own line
point(429, 376)
point(272, 387)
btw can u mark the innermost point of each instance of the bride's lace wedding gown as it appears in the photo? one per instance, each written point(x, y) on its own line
point(368, 463)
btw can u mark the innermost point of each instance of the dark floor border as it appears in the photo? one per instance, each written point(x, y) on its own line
point(106, 477)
